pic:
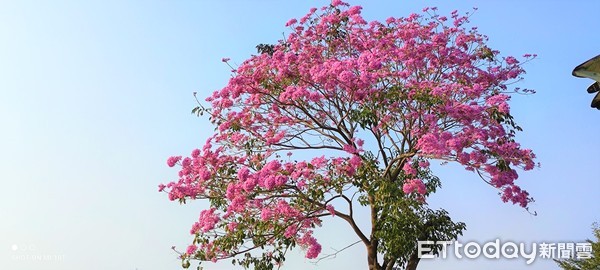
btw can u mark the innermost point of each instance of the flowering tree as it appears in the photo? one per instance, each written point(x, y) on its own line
point(346, 114)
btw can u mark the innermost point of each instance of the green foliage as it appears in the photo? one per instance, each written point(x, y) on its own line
point(404, 219)
point(592, 263)
point(265, 48)
point(408, 220)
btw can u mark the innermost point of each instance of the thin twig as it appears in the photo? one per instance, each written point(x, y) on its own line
point(333, 255)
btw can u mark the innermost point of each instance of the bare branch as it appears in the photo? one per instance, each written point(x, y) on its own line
point(333, 255)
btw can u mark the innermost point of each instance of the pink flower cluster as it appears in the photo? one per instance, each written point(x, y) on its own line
point(414, 185)
point(207, 221)
point(313, 248)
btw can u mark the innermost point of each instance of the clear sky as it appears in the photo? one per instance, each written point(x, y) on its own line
point(95, 95)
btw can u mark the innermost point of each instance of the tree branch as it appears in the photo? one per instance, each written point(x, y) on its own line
point(333, 255)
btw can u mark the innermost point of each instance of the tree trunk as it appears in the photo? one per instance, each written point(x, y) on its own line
point(413, 261)
point(372, 257)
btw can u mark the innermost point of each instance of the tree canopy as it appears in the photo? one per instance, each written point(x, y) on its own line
point(348, 112)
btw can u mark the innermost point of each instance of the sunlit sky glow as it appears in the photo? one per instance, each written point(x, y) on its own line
point(95, 95)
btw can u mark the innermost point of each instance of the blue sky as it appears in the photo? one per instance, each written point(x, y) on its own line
point(95, 95)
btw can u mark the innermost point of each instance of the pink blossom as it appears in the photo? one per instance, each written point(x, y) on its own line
point(186, 162)
point(331, 209)
point(207, 221)
point(173, 160)
point(313, 250)
point(290, 22)
point(414, 185)
point(319, 161)
point(265, 214)
point(511, 60)
point(354, 10)
point(301, 184)
point(350, 149)
point(360, 142)
point(243, 174)
point(205, 174)
point(408, 169)
point(355, 161)
point(273, 165)
point(310, 243)
point(250, 184)
point(290, 232)
point(195, 153)
point(336, 3)
point(346, 76)
point(191, 249)
point(269, 182)
point(232, 226)
point(499, 100)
